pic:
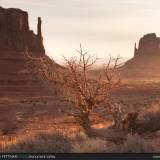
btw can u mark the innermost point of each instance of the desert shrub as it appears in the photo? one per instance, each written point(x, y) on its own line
point(151, 119)
point(85, 144)
point(153, 113)
point(133, 144)
point(44, 143)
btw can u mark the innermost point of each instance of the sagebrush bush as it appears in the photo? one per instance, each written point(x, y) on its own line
point(55, 143)
point(133, 144)
point(84, 144)
point(151, 119)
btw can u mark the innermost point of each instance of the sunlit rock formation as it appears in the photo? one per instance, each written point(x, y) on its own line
point(15, 33)
point(15, 38)
point(146, 60)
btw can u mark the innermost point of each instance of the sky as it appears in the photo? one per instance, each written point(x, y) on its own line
point(103, 27)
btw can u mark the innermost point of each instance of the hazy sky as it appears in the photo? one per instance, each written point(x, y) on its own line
point(102, 26)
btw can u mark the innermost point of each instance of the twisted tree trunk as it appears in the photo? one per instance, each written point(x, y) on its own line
point(84, 121)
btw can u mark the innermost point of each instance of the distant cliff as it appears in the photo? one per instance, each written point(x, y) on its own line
point(15, 34)
point(146, 60)
point(149, 44)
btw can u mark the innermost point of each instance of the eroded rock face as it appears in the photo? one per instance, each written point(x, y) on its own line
point(15, 33)
point(149, 44)
point(146, 60)
point(15, 38)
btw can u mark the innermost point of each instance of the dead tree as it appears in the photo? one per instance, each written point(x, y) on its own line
point(84, 92)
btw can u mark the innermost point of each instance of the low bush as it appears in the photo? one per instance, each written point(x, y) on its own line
point(133, 144)
point(53, 143)
point(90, 145)
point(83, 144)
point(151, 117)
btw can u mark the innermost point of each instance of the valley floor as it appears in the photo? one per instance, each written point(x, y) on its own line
point(24, 117)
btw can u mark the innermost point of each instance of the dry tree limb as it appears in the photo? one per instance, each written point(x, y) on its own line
point(84, 92)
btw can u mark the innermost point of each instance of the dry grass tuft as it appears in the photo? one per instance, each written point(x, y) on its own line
point(45, 143)
point(90, 145)
point(133, 144)
point(83, 144)
point(151, 119)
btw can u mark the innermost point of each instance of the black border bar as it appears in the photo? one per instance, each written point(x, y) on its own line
point(84, 156)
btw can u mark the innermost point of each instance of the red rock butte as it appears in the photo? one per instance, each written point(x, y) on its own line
point(15, 38)
point(15, 32)
point(146, 61)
